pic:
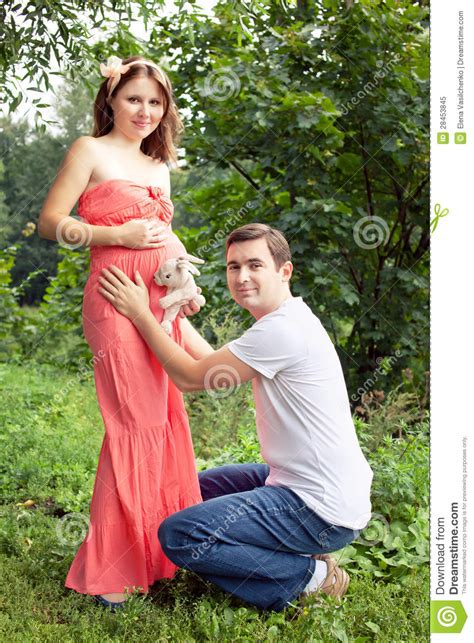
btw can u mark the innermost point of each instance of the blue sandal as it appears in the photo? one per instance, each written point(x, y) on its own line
point(105, 603)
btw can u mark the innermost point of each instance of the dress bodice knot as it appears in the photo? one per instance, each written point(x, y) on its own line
point(116, 201)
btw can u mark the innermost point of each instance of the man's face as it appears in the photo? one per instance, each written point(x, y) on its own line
point(253, 279)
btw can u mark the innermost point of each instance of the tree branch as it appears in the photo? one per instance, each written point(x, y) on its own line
point(419, 189)
point(246, 176)
point(358, 282)
point(368, 187)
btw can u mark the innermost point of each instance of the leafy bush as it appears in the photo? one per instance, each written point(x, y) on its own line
point(396, 541)
point(51, 437)
point(61, 312)
point(9, 309)
point(33, 332)
point(18, 329)
point(216, 417)
point(390, 415)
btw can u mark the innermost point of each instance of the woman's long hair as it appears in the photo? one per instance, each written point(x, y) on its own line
point(160, 144)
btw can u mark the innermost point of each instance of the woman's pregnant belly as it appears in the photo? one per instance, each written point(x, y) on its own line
point(101, 321)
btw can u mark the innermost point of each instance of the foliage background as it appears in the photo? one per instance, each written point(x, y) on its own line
point(310, 116)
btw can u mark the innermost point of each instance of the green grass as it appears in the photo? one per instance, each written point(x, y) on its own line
point(50, 443)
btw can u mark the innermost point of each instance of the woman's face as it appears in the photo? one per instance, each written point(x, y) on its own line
point(138, 107)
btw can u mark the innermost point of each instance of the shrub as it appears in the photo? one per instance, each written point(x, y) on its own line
point(217, 417)
point(17, 329)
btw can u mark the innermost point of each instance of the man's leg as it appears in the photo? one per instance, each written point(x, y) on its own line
point(249, 543)
point(232, 478)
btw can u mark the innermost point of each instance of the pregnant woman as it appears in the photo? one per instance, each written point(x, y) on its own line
point(146, 467)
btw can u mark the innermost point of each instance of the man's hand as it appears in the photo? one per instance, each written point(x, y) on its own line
point(191, 308)
point(129, 298)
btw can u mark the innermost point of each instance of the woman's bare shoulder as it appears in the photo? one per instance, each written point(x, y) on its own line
point(94, 150)
point(85, 147)
point(85, 142)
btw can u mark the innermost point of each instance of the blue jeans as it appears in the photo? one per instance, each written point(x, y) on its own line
point(247, 538)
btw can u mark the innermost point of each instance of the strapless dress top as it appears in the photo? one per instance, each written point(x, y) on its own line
point(116, 201)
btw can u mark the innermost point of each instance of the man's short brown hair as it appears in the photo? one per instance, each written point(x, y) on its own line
point(276, 242)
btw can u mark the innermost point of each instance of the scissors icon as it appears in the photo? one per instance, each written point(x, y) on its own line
point(439, 214)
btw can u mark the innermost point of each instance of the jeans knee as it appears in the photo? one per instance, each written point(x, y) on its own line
point(170, 536)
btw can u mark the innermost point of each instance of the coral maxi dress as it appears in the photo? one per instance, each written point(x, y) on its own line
point(146, 467)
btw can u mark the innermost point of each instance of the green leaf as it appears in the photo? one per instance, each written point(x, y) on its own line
point(373, 627)
point(349, 162)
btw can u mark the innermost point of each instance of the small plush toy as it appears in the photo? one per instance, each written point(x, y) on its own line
point(177, 275)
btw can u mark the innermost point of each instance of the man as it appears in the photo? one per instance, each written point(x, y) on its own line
point(264, 531)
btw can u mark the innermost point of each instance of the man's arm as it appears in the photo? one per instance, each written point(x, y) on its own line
point(194, 342)
point(217, 369)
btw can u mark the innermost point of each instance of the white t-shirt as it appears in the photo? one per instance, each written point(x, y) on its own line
point(304, 422)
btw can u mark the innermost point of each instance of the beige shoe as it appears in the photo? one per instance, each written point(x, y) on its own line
point(337, 579)
point(324, 557)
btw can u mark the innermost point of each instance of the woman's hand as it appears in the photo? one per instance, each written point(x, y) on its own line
point(129, 298)
point(143, 233)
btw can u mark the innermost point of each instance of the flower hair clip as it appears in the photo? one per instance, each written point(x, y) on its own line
point(114, 68)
